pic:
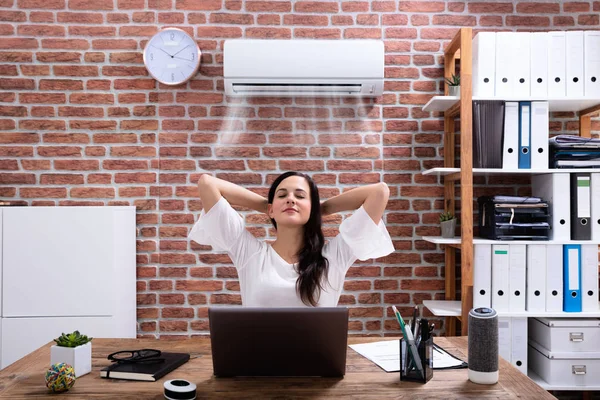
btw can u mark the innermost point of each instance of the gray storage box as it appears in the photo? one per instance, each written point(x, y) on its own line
point(567, 369)
point(566, 334)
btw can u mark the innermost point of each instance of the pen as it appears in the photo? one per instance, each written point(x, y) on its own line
point(414, 321)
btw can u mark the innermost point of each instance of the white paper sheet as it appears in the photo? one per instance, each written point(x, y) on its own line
point(386, 354)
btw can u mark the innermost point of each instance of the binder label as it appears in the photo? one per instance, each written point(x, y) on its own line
point(500, 252)
point(573, 269)
point(583, 197)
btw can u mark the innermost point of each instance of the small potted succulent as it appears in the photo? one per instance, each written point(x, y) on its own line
point(74, 349)
point(453, 85)
point(448, 224)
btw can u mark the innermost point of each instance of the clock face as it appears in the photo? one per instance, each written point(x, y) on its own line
point(172, 56)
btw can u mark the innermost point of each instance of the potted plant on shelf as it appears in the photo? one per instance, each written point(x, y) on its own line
point(74, 349)
point(448, 224)
point(453, 85)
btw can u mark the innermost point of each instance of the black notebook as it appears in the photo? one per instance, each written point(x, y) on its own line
point(144, 371)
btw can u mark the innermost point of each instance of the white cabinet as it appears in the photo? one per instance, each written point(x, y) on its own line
point(65, 269)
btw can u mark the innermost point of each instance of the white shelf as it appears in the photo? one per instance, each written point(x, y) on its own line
point(452, 308)
point(443, 171)
point(442, 103)
point(456, 240)
point(443, 308)
point(535, 377)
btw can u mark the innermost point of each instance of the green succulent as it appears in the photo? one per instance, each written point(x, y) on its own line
point(454, 81)
point(72, 339)
point(446, 216)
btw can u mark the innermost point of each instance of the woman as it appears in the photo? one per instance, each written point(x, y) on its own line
point(298, 268)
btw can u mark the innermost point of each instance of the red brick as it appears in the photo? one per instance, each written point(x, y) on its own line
point(513, 20)
point(61, 179)
point(364, 33)
point(13, 16)
point(383, 6)
point(538, 8)
point(330, 33)
point(40, 30)
point(490, 20)
point(199, 5)
point(342, 20)
point(421, 6)
point(590, 19)
point(489, 7)
point(37, 4)
point(394, 19)
point(576, 6)
point(90, 5)
point(458, 20)
point(316, 6)
point(266, 19)
point(563, 21)
point(400, 33)
point(309, 20)
point(29, 193)
point(355, 6)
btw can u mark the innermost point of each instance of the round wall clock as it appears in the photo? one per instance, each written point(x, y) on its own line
point(172, 56)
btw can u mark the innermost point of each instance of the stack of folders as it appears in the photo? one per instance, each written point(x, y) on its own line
point(574, 200)
point(488, 124)
point(513, 218)
point(536, 64)
point(567, 151)
point(514, 278)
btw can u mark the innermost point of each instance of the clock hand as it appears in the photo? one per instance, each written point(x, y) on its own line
point(184, 59)
point(181, 50)
point(161, 50)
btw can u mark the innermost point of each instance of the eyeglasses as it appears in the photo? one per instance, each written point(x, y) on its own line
point(146, 356)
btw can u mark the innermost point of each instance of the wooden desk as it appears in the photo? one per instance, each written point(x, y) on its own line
point(363, 380)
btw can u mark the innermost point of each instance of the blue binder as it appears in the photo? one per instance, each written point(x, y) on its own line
point(572, 277)
point(524, 135)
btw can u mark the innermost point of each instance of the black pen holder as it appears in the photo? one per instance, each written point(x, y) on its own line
point(411, 372)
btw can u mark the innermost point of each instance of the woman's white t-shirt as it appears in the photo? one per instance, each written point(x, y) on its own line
point(266, 279)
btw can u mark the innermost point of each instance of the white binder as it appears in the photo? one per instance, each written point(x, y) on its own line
point(539, 64)
point(510, 151)
point(504, 64)
point(536, 277)
point(555, 189)
point(484, 64)
point(519, 343)
point(591, 67)
point(589, 277)
point(595, 183)
point(556, 65)
point(540, 133)
point(554, 277)
point(517, 274)
point(504, 338)
point(520, 65)
point(574, 67)
point(500, 277)
point(482, 276)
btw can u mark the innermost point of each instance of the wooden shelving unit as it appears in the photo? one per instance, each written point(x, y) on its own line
point(461, 48)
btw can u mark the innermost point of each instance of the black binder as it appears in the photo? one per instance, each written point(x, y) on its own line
point(488, 133)
point(581, 207)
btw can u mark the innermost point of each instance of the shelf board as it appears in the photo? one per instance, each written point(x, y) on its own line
point(535, 377)
point(451, 308)
point(456, 240)
point(443, 171)
point(443, 103)
point(440, 103)
point(443, 308)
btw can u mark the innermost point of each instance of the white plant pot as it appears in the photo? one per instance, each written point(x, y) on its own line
point(454, 91)
point(80, 357)
point(448, 228)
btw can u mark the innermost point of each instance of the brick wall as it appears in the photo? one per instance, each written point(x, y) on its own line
point(83, 124)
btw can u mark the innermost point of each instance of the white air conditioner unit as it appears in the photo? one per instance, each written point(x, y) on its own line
point(320, 68)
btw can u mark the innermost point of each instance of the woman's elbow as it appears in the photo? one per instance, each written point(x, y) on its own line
point(204, 180)
point(383, 191)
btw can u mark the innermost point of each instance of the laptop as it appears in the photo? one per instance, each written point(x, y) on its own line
point(248, 341)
